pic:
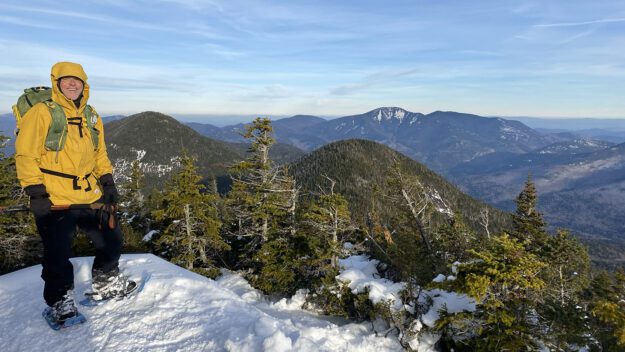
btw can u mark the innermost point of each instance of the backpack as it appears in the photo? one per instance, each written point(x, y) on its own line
point(57, 133)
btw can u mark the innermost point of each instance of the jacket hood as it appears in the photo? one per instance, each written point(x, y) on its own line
point(64, 69)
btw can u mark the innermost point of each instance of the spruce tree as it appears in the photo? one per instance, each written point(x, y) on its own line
point(132, 191)
point(263, 197)
point(261, 215)
point(329, 218)
point(504, 280)
point(528, 222)
point(135, 220)
point(19, 243)
point(609, 308)
point(566, 277)
point(453, 240)
point(190, 237)
point(412, 251)
point(569, 267)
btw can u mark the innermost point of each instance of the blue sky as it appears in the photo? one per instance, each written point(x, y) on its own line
point(328, 58)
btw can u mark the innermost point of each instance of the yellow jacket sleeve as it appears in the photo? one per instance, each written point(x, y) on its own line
point(29, 144)
point(102, 163)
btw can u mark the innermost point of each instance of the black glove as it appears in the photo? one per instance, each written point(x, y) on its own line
point(40, 203)
point(110, 195)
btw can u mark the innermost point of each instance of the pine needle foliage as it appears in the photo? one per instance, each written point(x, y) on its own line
point(504, 280)
point(609, 308)
point(19, 243)
point(190, 237)
point(261, 216)
point(527, 222)
point(328, 217)
point(135, 220)
point(261, 194)
point(566, 277)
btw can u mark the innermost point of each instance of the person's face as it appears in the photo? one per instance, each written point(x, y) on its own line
point(71, 87)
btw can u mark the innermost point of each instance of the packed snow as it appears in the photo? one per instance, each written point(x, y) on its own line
point(177, 311)
point(181, 311)
point(360, 273)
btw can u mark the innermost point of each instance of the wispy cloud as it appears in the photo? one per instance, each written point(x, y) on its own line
point(26, 22)
point(577, 36)
point(582, 23)
point(203, 30)
point(372, 80)
point(224, 51)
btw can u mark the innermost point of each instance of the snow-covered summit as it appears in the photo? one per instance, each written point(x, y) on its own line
point(177, 311)
point(392, 113)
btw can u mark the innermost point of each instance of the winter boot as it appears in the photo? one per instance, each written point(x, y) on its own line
point(111, 285)
point(64, 309)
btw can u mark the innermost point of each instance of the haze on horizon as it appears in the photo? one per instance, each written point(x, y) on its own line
point(325, 58)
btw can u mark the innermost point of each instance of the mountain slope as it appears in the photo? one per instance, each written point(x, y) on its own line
point(359, 166)
point(177, 311)
point(157, 140)
point(583, 192)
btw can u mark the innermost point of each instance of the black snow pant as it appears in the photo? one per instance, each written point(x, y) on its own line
point(57, 234)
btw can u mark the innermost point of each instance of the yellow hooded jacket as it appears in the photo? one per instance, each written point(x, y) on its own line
point(78, 156)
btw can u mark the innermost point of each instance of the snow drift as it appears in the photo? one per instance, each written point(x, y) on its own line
point(177, 311)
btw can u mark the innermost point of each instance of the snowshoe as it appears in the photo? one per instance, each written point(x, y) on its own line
point(63, 313)
point(117, 287)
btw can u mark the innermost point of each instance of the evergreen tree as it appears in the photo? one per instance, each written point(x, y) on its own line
point(132, 192)
point(191, 235)
point(19, 243)
point(263, 197)
point(329, 218)
point(566, 276)
point(135, 221)
point(285, 253)
point(609, 308)
point(528, 223)
point(261, 216)
point(412, 251)
point(504, 280)
point(453, 240)
point(568, 271)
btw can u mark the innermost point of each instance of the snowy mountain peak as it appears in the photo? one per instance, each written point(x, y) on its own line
point(389, 113)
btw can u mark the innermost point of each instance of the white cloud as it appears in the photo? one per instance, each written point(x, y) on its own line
point(26, 22)
point(581, 23)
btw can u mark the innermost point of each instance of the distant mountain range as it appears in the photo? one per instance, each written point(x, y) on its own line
point(572, 124)
point(441, 140)
point(581, 180)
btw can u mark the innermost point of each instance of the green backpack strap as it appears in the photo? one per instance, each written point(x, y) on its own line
point(92, 119)
point(57, 133)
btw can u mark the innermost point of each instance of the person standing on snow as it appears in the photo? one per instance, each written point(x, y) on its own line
point(77, 171)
